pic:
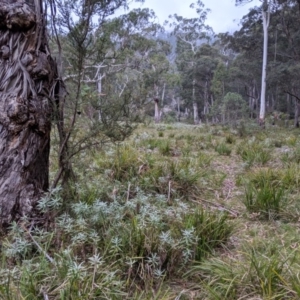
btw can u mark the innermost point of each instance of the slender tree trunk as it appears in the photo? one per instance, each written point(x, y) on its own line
point(287, 110)
point(296, 120)
point(195, 105)
point(266, 21)
point(196, 113)
point(99, 90)
point(26, 84)
point(156, 111)
point(178, 107)
point(163, 95)
point(252, 100)
point(187, 113)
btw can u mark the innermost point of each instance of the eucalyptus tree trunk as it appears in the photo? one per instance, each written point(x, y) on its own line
point(156, 111)
point(266, 21)
point(163, 95)
point(195, 105)
point(196, 113)
point(99, 90)
point(178, 109)
point(157, 114)
point(297, 109)
point(26, 86)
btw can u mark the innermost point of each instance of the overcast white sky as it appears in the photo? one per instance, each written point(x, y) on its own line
point(224, 15)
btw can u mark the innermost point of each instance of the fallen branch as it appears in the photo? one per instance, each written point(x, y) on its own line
point(235, 214)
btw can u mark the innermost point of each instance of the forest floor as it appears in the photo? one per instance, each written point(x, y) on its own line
point(176, 212)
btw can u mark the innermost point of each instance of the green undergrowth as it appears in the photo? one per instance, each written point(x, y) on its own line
point(175, 212)
point(108, 250)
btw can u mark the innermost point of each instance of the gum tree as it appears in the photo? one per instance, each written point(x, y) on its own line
point(27, 85)
point(190, 33)
point(266, 21)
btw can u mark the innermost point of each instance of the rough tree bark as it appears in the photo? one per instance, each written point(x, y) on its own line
point(27, 83)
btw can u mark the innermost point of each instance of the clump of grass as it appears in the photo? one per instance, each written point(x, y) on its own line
point(179, 177)
point(265, 194)
point(211, 228)
point(150, 143)
point(252, 153)
point(266, 275)
point(292, 156)
point(264, 176)
point(278, 143)
point(265, 201)
point(186, 151)
point(291, 141)
point(290, 178)
point(164, 147)
point(223, 149)
point(242, 129)
point(262, 157)
point(204, 160)
point(230, 139)
point(122, 164)
point(287, 178)
point(219, 279)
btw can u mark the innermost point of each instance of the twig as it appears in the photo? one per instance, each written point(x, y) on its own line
point(128, 192)
point(219, 206)
point(45, 296)
point(169, 192)
point(39, 247)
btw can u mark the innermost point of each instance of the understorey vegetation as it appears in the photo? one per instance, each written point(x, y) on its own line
point(143, 222)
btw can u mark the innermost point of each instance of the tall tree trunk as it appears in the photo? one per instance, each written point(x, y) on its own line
point(266, 21)
point(99, 90)
point(156, 111)
point(26, 85)
point(163, 95)
point(287, 110)
point(196, 113)
point(251, 100)
point(195, 105)
point(178, 110)
point(296, 120)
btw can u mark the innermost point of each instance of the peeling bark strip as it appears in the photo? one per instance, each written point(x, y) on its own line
point(26, 84)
